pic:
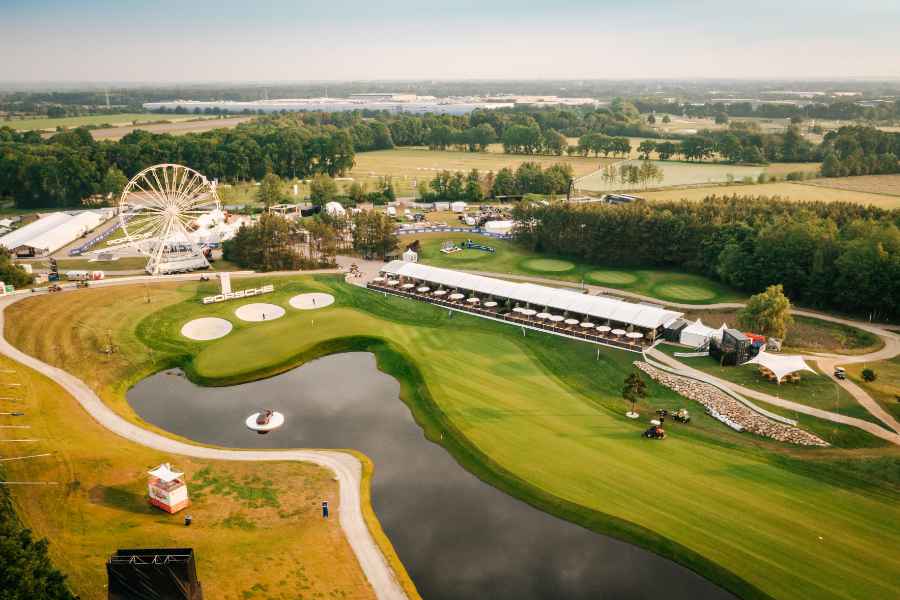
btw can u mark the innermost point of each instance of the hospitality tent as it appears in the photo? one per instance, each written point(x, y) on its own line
point(539, 296)
point(52, 232)
point(697, 334)
point(780, 365)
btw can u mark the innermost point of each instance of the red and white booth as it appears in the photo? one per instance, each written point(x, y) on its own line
point(167, 489)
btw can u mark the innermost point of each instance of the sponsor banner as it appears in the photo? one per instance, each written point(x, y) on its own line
point(239, 294)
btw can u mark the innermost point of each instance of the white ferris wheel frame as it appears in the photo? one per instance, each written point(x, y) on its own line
point(158, 204)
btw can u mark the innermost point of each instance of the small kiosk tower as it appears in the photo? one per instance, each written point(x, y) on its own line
point(167, 489)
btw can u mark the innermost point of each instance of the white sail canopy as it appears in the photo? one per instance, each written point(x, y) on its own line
point(780, 365)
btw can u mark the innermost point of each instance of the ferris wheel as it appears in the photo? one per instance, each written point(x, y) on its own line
point(162, 212)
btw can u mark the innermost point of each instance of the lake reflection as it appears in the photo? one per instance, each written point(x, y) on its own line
point(458, 537)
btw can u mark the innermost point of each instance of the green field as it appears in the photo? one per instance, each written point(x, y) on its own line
point(538, 416)
point(510, 259)
point(886, 387)
point(46, 123)
point(676, 173)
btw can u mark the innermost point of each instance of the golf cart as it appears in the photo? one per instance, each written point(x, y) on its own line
point(54, 288)
point(681, 415)
point(840, 373)
point(655, 433)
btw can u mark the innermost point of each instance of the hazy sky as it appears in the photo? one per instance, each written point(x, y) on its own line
point(128, 40)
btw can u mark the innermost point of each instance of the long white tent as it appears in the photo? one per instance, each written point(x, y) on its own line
point(597, 307)
point(50, 233)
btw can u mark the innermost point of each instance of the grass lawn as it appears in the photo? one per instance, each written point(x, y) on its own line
point(511, 259)
point(886, 387)
point(100, 505)
point(677, 173)
point(46, 123)
point(818, 391)
point(537, 416)
point(806, 334)
point(869, 184)
point(408, 165)
point(798, 192)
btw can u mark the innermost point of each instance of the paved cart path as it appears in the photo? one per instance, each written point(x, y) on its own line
point(346, 467)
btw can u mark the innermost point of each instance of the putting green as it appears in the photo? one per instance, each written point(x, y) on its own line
point(550, 265)
point(612, 277)
point(683, 291)
point(465, 255)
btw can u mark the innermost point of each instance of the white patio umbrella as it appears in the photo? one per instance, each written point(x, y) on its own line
point(635, 335)
point(424, 289)
point(392, 282)
point(543, 315)
point(440, 292)
point(587, 325)
point(456, 296)
point(528, 312)
point(571, 321)
point(604, 328)
point(618, 332)
point(408, 286)
point(490, 304)
point(473, 300)
point(518, 309)
point(378, 279)
point(557, 318)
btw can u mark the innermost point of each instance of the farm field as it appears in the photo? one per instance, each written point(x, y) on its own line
point(542, 420)
point(869, 184)
point(676, 173)
point(886, 387)
point(409, 165)
point(193, 124)
point(513, 260)
point(790, 191)
point(101, 505)
point(818, 390)
point(49, 124)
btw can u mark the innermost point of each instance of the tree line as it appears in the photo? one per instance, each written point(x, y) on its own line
point(68, 167)
point(826, 255)
point(860, 151)
point(840, 110)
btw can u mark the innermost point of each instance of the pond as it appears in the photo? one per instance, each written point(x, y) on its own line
point(457, 536)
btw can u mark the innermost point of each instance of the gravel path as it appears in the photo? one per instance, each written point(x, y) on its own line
point(346, 467)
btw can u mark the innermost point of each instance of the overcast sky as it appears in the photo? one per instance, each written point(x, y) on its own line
point(129, 40)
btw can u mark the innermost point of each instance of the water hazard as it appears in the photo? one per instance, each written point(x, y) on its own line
point(458, 537)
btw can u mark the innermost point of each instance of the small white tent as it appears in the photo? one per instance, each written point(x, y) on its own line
point(458, 206)
point(780, 365)
point(697, 334)
point(335, 209)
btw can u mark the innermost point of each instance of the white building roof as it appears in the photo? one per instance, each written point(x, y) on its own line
point(164, 472)
point(597, 307)
point(698, 328)
point(50, 233)
point(780, 365)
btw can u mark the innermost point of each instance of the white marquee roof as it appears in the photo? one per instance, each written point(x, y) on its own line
point(780, 365)
point(599, 307)
point(165, 473)
point(54, 231)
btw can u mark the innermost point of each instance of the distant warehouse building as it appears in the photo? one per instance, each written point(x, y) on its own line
point(52, 232)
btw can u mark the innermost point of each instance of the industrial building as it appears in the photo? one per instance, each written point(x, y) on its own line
point(52, 232)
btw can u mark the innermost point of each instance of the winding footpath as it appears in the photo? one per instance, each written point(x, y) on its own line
point(346, 467)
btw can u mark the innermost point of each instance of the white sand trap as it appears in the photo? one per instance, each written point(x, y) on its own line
point(311, 301)
point(259, 311)
point(207, 328)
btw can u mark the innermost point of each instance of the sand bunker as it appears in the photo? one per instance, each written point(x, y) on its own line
point(207, 328)
point(311, 301)
point(259, 311)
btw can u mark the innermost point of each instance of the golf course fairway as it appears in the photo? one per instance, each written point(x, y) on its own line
point(539, 417)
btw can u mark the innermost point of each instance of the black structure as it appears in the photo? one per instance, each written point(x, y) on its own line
point(620, 198)
point(672, 333)
point(153, 574)
point(734, 349)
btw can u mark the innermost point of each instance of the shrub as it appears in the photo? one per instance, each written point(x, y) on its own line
point(869, 375)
